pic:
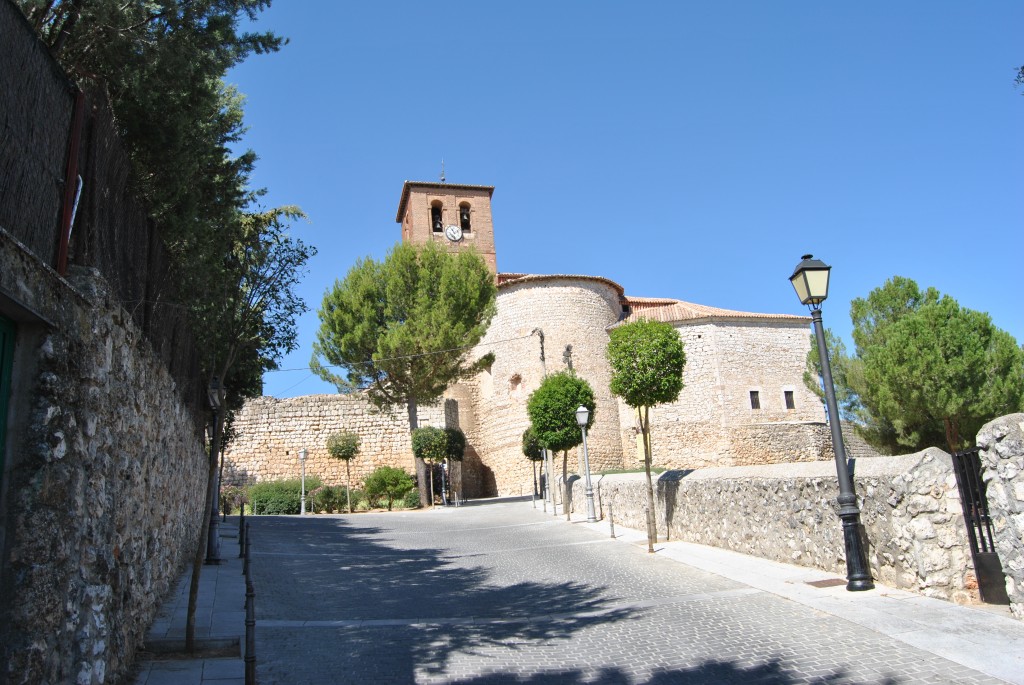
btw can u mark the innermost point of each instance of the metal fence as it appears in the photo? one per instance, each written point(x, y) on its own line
point(52, 165)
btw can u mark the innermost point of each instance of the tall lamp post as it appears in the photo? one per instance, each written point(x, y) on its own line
point(810, 280)
point(215, 395)
point(302, 458)
point(582, 416)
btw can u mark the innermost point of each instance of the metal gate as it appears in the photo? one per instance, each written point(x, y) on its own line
point(991, 583)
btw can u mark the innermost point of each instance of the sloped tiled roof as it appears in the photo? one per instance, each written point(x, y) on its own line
point(672, 311)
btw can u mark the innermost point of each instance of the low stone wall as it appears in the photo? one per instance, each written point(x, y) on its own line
point(1002, 457)
point(910, 511)
point(106, 481)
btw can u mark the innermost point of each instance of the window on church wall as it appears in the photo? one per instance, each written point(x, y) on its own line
point(515, 385)
point(788, 397)
point(436, 220)
point(755, 399)
point(464, 219)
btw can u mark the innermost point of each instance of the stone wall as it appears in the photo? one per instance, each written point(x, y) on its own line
point(712, 422)
point(910, 511)
point(1002, 457)
point(105, 479)
point(570, 310)
point(270, 433)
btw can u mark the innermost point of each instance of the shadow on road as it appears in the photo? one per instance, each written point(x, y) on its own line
point(424, 604)
point(707, 673)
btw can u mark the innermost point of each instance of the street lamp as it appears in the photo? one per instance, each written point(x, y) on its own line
point(810, 280)
point(302, 458)
point(582, 416)
point(215, 395)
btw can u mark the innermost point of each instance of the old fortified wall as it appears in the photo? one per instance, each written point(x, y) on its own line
point(103, 468)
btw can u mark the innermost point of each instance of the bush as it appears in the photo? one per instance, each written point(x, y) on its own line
point(411, 500)
point(389, 484)
point(273, 497)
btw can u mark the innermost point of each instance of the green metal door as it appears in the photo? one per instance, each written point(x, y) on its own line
point(6, 368)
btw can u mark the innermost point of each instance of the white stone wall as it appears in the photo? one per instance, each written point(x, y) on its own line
point(712, 423)
point(1002, 456)
point(910, 511)
point(570, 311)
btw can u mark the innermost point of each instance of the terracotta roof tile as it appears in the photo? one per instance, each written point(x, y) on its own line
point(672, 311)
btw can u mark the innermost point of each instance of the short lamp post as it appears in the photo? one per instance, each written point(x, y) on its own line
point(582, 416)
point(302, 505)
point(810, 280)
point(215, 395)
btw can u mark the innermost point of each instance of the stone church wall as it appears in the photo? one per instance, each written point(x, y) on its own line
point(712, 423)
point(106, 478)
point(570, 311)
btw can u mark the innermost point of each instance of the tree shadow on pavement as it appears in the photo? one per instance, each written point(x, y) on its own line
point(707, 673)
point(390, 612)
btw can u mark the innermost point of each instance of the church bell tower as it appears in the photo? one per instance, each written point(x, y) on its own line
point(459, 216)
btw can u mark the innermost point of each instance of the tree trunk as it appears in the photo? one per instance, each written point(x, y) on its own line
point(534, 478)
point(565, 483)
point(952, 434)
point(204, 525)
point(419, 464)
point(348, 484)
point(652, 519)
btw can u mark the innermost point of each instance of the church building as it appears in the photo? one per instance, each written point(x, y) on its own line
point(743, 400)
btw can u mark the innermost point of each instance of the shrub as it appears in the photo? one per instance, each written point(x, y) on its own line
point(231, 498)
point(411, 500)
point(273, 497)
point(430, 443)
point(388, 483)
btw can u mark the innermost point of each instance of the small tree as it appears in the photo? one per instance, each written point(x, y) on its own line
point(344, 446)
point(647, 361)
point(534, 451)
point(387, 481)
point(552, 411)
point(431, 445)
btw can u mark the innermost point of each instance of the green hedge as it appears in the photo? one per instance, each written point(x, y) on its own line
point(281, 496)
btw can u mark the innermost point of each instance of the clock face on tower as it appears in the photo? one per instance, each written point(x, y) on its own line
point(453, 233)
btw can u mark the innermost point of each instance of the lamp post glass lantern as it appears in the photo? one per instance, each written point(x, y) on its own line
point(582, 417)
point(810, 281)
point(302, 501)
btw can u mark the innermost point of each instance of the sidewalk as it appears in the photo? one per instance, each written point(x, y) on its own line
point(220, 626)
point(983, 637)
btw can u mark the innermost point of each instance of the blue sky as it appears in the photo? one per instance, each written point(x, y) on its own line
point(681, 149)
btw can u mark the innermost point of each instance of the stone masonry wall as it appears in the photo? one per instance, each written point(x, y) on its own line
point(910, 510)
point(270, 433)
point(1002, 457)
point(570, 310)
point(712, 423)
point(106, 480)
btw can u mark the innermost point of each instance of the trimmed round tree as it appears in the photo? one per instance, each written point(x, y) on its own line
point(534, 451)
point(552, 411)
point(344, 446)
point(430, 444)
point(647, 361)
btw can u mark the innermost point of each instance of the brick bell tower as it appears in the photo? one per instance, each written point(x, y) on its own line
point(459, 216)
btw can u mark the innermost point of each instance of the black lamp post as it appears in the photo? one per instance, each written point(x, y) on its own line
point(810, 280)
point(582, 416)
point(215, 394)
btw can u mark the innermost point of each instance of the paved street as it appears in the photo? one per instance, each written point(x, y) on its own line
point(502, 593)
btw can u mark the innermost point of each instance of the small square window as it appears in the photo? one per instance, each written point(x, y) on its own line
point(755, 399)
point(789, 399)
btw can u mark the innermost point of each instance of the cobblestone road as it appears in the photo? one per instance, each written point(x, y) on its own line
point(501, 593)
